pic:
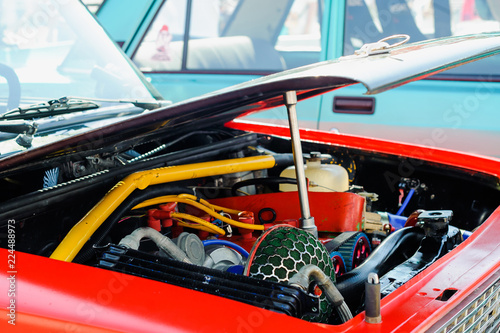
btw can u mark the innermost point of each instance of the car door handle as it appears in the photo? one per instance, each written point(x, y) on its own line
point(354, 105)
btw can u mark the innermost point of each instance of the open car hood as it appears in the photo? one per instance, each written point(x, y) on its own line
point(377, 69)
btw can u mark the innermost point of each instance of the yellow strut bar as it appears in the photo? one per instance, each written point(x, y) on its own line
point(83, 230)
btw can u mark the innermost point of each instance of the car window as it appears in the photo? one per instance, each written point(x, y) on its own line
point(299, 41)
point(93, 5)
point(53, 49)
point(368, 21)
point(232, 36)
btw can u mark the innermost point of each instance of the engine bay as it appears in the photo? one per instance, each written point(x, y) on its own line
point(218, 212)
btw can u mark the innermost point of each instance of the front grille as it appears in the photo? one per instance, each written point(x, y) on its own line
point(482, 314)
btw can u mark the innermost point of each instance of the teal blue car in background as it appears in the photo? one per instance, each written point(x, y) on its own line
point(191, 47)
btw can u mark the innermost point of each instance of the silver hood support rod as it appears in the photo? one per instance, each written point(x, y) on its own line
point(306, 221)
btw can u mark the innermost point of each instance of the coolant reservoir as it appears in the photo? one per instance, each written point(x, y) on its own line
point(322, 177)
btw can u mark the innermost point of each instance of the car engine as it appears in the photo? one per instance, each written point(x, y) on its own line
point(218, 212)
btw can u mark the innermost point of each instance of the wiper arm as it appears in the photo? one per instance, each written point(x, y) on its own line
point(51, 108)
point(25, 129)
point(146, 104)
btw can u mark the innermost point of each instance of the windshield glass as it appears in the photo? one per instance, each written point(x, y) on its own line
point(55, 48)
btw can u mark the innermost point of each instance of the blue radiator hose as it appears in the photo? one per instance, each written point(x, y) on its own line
point(232, 245)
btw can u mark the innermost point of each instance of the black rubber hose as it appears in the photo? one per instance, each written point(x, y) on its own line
point(102, 180)
point(262, 181)
point(394, 250)
point(134, 199)
point(170, 143)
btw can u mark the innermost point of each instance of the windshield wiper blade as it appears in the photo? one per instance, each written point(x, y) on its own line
point(53, 107)
point(147, 104)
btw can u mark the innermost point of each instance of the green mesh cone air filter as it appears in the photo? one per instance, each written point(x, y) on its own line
point(282, 251)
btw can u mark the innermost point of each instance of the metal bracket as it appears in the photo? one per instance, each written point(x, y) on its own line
point(379, 47)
